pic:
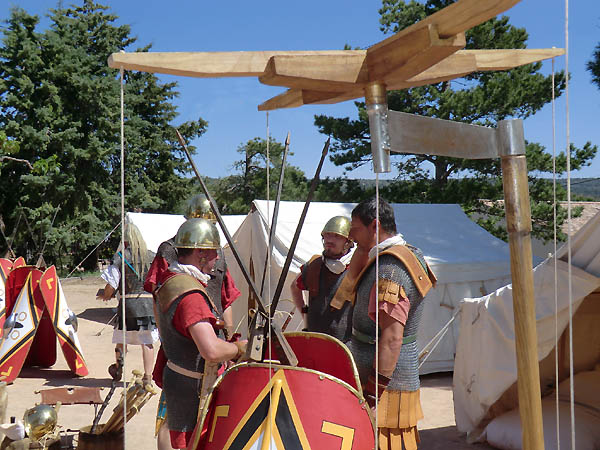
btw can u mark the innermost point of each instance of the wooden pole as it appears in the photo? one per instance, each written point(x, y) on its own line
point(518, 224)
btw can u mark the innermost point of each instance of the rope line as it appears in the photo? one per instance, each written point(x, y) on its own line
point(569, 231)
point(376, 308)
point(555, 261)
point(124, 351)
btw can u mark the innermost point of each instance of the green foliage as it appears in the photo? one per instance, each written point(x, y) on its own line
point(593, 66)
point(61, 102)
point(481, 98)
point(235, 193)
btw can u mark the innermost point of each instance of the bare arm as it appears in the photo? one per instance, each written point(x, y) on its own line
point(211, 348)
point(108, 292)
point(228, 319)
point(298, 298)
point(390, 343)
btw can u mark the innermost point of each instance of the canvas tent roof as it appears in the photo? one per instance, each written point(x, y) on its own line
point(156, 228)
point(485, 370)
point(466, 259)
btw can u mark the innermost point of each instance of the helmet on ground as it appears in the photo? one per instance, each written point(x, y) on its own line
point(199, 207)
point(39, 421)
point(198, 233)
point(338, 225)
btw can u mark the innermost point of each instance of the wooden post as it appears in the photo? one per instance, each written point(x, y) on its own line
point(518, 224)
point(376, 100)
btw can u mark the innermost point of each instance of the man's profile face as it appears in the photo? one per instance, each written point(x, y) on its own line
point(363, 235)
point(208, 258)
point(334, 245)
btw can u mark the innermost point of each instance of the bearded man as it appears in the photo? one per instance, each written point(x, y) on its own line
point(322, 277)
point(403, 280)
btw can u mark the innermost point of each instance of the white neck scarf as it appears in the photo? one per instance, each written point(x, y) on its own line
point(337, 266)
point(190, 270)
point(398, 239)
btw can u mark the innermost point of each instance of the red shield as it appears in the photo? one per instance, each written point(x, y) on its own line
point(290, 407)
point(19, 262)
point(319, 351)
point(17, 340)
point(5, 266)
point(61, 316)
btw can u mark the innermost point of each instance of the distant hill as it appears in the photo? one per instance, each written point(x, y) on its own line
point(587, 187)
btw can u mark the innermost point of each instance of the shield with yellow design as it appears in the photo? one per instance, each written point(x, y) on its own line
point(63, 320)
point(272, 406)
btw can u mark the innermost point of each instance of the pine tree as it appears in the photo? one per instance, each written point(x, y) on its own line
point(481, 98)
point(61, 101)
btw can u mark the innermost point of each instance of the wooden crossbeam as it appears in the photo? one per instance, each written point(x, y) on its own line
point(465, 62)
point(411, 53)
point(205, 64)
point(338, 73)
point(293, 98)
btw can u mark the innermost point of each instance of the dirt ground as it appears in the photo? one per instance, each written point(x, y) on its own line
point(437, 430)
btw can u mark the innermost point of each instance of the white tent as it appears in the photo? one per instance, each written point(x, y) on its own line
point(156, 228)
point(485, 370)
point(467, 260)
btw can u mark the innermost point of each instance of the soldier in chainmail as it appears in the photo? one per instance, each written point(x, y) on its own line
point(220, 287)
point(140, 324)
point(322, 277)
point(191, 326)
point(404, 278)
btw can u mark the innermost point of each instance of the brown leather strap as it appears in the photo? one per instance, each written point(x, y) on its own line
point(423, 277)
point(175, 287)
point(311, 275)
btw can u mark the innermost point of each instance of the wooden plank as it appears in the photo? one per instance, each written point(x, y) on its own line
point(504, 59)
point(328, 73)
point(455, 18)
point(465, 62)
point(293, 98)
point(205, 64)
point(384, 60)
point(428, 58)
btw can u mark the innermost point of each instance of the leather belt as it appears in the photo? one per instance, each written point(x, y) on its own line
point(185, 372)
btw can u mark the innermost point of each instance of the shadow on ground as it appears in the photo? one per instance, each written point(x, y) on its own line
point(100, 315)
point(61, 378)
point(446, 437)
point(437, 380)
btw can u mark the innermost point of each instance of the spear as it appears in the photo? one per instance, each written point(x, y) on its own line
point(287, 355)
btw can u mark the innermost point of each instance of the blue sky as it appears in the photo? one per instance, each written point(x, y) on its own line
point(230, 105)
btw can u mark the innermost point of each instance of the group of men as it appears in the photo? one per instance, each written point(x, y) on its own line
point(349, 298)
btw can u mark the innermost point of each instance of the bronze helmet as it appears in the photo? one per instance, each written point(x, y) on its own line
point(198, 233)
point(39, 421)
point(338, 225)
point(199, 207)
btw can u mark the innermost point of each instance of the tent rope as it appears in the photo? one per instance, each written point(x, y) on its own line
point(556, 362)
point(268, 164)
point(124, 352)
point(377, 222)
point(569, 231)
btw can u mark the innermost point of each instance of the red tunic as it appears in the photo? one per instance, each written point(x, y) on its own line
point(192, 309)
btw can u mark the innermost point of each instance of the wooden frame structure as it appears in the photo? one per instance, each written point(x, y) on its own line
point(427, 52)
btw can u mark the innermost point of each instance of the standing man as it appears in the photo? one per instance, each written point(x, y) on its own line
point(322, 277)
point(139, 320)
point(190, 323)
point(404, 280)
point(220, 286)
